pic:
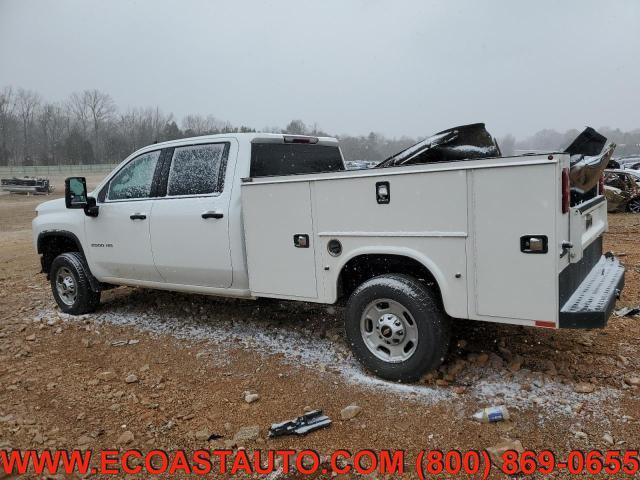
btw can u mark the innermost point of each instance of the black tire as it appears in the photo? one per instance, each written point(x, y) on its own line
point(422, 306)
point(85, 300)
point(634, 206)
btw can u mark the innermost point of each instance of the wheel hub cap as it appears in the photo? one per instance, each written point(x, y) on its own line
point(389, 330)
point(66, 286)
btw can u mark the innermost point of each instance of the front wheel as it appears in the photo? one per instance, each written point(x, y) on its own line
point(70, 285)
point(396, 327)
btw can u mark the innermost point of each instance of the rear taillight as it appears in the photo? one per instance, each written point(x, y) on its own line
point(565, 190)
point(601, 185)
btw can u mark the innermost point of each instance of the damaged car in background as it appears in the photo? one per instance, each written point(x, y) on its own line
point(622, 191)
point(254, 215)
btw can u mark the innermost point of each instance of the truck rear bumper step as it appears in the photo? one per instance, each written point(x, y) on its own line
point(592, 302)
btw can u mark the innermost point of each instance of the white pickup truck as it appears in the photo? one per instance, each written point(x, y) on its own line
point(441, 231)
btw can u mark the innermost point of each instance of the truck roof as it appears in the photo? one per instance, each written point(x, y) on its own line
point(251, 137)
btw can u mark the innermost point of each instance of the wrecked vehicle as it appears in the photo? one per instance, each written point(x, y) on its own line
point(622, 191)
point(628, 163)
point(466, 142)
point(635, 174)
point(446, 229)
point(27, 185)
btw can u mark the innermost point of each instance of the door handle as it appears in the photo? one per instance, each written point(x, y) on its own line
point(212, 215)
point(534, 244)
point(137, 216)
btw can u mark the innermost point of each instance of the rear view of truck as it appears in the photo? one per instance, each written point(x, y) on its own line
point(589, 282)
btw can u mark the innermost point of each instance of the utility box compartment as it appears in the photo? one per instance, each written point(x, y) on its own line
point(514, 248)
point(279, 239)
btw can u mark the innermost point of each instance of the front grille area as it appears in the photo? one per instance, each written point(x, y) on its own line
point(573, 275)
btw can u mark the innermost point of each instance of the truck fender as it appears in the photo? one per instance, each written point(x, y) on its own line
point(49, 234)
point(400, 252)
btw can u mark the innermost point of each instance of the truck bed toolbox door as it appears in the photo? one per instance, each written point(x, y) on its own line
point(514, 246)
point(279, 236)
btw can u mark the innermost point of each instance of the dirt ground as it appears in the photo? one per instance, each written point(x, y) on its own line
point(172, 369)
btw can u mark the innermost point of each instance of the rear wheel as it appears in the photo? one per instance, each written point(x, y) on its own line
point(396, 328)
point(70, 284)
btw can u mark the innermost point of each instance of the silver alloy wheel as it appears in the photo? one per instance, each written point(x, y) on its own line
point(634, 206)
point(389, 331)
point(66, 286)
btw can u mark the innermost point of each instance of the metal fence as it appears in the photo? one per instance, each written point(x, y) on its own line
point(46, 170)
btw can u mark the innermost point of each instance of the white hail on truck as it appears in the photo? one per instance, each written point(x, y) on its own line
point(409, 248)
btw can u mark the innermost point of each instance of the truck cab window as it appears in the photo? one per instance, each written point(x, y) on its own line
point(269, 159)
point(197, 170)
point(135, 179)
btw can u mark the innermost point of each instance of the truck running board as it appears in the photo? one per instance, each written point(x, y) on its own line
point(592, 303)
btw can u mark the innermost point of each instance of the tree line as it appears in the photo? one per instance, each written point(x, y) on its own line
point(88, 128)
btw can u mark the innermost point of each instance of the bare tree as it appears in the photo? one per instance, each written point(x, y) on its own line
point(27, 102)
point(199, 125)
point(296, 127)
point(53, 121)
point(7, 107)
point(92, 107)
point(101, 107)
point(79, 110)
point(158, 123)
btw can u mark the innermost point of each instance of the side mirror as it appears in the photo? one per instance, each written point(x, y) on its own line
point(75, 192)
point(75, 196)
point(91, 210)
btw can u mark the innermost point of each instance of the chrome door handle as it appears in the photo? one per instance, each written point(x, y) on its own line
point(210, 214)
point(137, 216)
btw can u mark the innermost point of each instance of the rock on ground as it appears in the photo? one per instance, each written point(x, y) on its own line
point(125, 438)
point(584, 387)
point(247, 433)
point(505, 444)
point(352, 411)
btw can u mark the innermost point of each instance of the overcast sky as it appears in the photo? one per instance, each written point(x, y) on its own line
point(395, 67)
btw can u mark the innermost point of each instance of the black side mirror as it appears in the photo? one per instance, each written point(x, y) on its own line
point(75, 196)
point(92, 209)
point(75, 192)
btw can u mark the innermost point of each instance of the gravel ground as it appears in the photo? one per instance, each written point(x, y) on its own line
point(172, 369)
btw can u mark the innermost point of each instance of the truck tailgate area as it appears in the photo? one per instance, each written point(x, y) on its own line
point(592, 302)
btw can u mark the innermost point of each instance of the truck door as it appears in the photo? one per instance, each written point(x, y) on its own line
point(513, 248)
point(190, 225)
point(279, 236)
point(118, 238)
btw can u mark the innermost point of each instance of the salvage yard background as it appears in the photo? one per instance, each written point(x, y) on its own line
point(163, 370)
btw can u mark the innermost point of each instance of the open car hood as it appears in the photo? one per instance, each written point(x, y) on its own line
point(465, 142)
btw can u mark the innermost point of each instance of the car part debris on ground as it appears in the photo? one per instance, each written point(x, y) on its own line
point(628, 311)
point(302, 425)
point(492, 414)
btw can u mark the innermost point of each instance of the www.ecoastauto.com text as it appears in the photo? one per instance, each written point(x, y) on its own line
point(426, 463)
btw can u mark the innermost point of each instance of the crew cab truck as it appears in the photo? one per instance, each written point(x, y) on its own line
point(409, 248)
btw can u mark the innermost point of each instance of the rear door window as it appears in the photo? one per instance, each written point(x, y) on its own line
point(197, 169)
point(269, 159)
